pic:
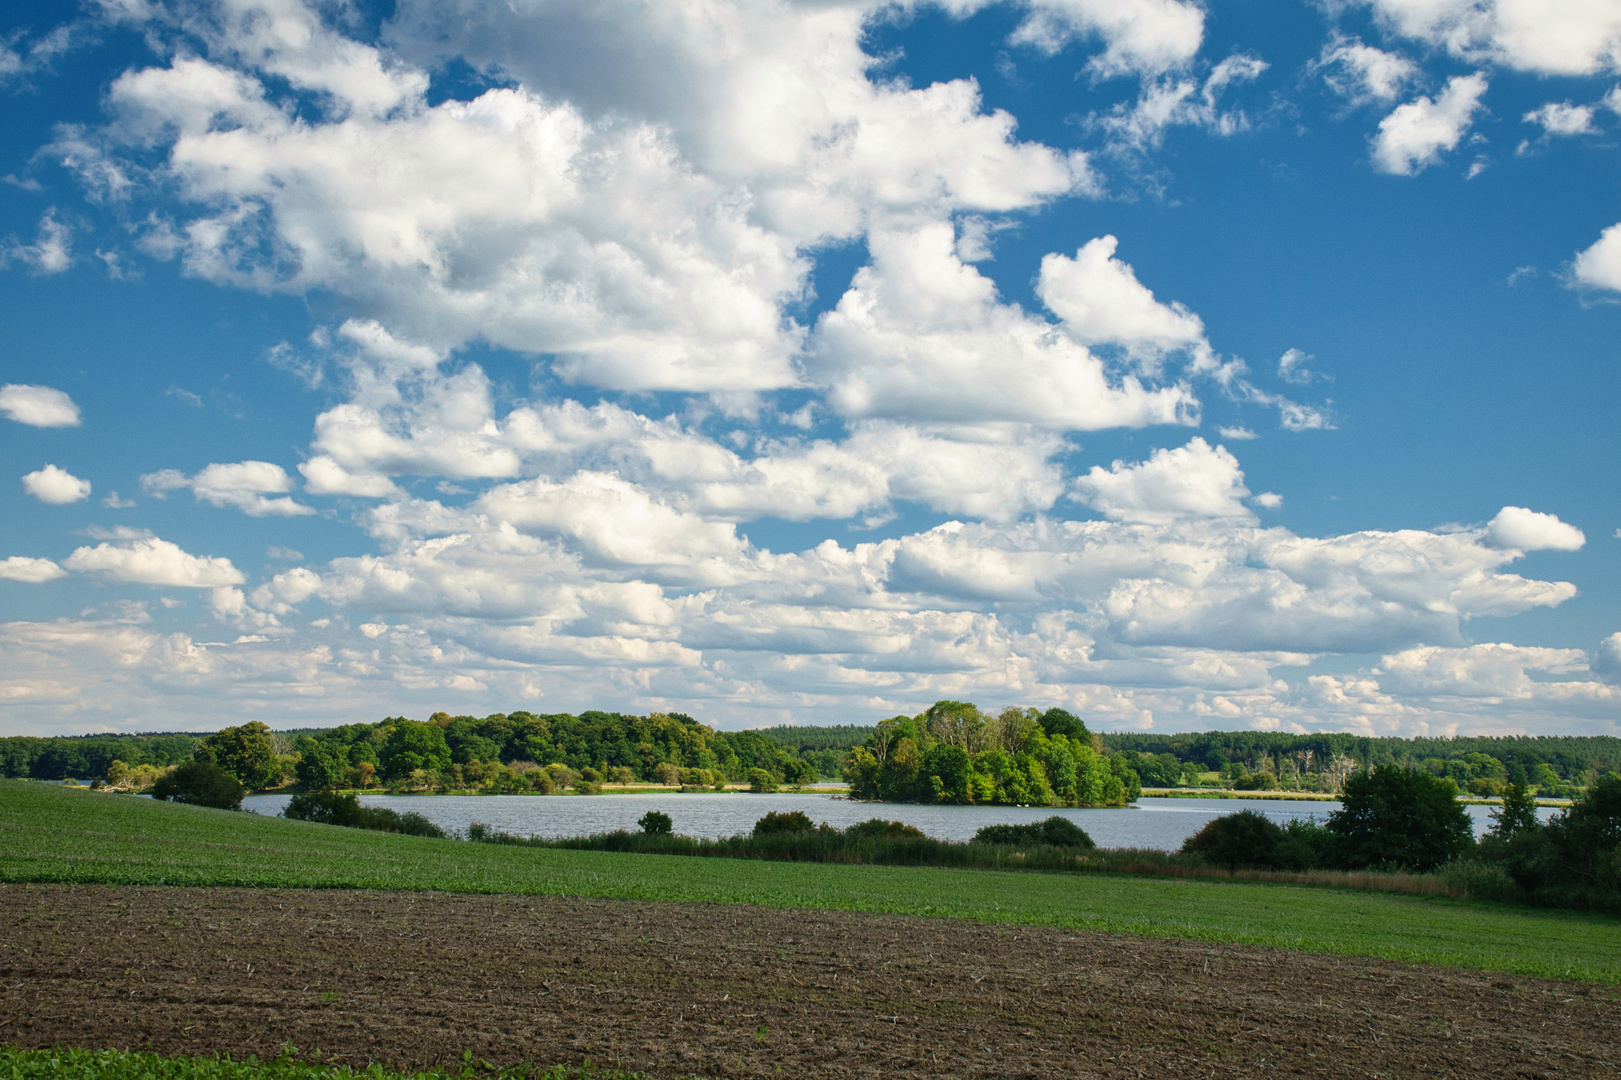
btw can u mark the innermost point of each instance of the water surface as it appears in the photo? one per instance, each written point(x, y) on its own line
point(1152, 823)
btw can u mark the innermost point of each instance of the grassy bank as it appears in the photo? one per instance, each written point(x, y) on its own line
point(49, 833)
point(69, 1063)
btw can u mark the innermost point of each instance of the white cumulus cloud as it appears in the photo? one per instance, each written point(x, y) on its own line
point(152, 561)
point(1196, 480)
point(30, 571)
point(1528, 530)
point(38, 406)
point(1414, 135)
point(1363, 73)
point(1599, 266)
point(1562, 118)
point(1575, 37)
point(55, 486)
point(1100, 301)
point(244, 485)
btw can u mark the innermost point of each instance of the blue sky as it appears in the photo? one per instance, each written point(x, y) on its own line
point(1190, 367)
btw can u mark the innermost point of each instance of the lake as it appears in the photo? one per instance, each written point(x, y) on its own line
point(1152, 823)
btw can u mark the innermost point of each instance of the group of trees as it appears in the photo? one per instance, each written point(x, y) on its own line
point(528, 752)
point(953, 753)
point(1407, 818)
point(1552, 766)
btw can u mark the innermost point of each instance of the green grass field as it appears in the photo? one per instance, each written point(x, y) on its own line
point(49, 833)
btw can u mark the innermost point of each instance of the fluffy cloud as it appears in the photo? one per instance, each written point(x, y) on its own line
point(243, 485)
point(1599, 266)
point(151, 561)
point(1100, 301)
point(1362, 73)
point(1527, 530)
point(647, 246)
point(55, 486)
point(921, 334)
point(1582, 38)
point(1491, 671)
point(38, 406)
point(1562, 118)
point(1195, 480)
point(1414, 135)
point(30, 571)
point(1145, 36)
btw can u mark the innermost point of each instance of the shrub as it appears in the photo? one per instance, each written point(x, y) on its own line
point(793, 821)
point(656, 823)
point(1261, 781)
point(329, 808)
point(1246, 839)
point(667, 774)
point(878, 828)
point(201, 783)
point(325, 808)
point(622, 774)
point(1056, 831)
point(762, 780)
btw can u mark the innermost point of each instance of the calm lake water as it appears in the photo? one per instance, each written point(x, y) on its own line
point(1153, 823)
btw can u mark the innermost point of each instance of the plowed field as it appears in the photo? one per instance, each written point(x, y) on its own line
point(684, 989)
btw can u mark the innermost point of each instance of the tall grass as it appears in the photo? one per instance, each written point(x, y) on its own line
point(837, 846)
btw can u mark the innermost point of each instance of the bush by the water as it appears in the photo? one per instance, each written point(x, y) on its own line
point(1574, 861)
point(655, 823)
point(330, 808)
point(201, 783)
point(1056, 831)
point(792, 821)
point(1400, 817)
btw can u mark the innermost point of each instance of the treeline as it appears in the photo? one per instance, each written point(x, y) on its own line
point(953, 753)
point(529, 752)
point(1554, 766)
point(84, 756)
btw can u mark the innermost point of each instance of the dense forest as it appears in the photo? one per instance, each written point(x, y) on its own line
point(952, 752)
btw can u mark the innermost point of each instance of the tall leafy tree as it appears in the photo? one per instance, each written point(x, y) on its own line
point(246, 752)
point(1400, 817)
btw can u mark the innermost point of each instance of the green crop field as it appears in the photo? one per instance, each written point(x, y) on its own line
point(53, 834)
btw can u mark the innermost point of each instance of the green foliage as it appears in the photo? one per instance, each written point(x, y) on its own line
point(1517, 814)
point(201, 783)
point(62, 756)
point(878, 828)
point(411, 747)
point(762, 780)
point(953, 753)
point(72, 1063)
point(1244, 839)
point(245, 752)
point(655, 823)
point(792, 821)
point(1056, 831)
point(1574, 860)
point(52, 834)
point(330, 808)
point(1400, 817)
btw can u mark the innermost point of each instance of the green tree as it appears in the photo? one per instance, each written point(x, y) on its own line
point(412, 746)
point(1517, 814)
point(761, 780)
point(321, 766)
point(200, 783)
point(246, 752)
point(656, 823)
point(1400, 817)
point(798, 773)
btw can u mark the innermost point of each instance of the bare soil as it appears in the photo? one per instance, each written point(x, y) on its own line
point(685, 989)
